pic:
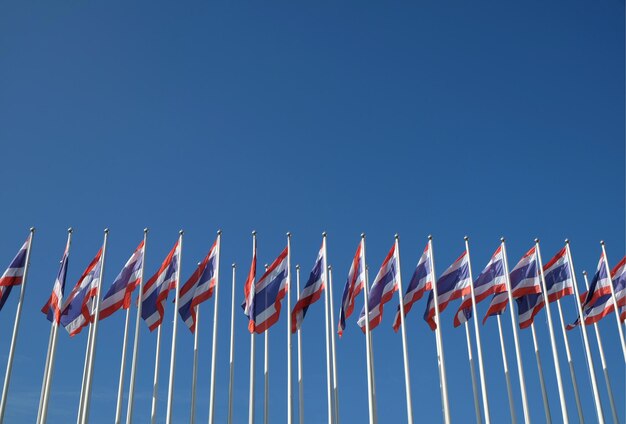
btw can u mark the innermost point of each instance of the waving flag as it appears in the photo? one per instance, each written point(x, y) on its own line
point(311, 292)
point(157, 288)
point(381, 292)
point(79, 306)
point(527, 307)
point(558, 276)
point(622, 314)
point(600, 285)
point(269, 291)
point(198, 288)
point(497, 305)
point(463, 314)
point(452, 284)
point(420, 283)
point(525, 278)
point(52, 308)
point(354, 285)
point(618, 275)
point(14, 274)
point(248, 289)
point(120, 292)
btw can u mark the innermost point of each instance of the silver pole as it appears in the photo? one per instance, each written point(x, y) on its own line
point(215, 315)
point(83, 384)
point(252, 340)
point(18, 314)
point(155, 383)
point(570, 362)
point(329, 330)
point(120, 387)
point(266, 373)
point(45, 375)
point(615, 307)
point(332, 346)
point(194, 372)
point(370, 370)
point(479, 418)
point(289, 347)
point(231, 374)
point(133, 367)
point(505, 364)
point(544, 393)
point(300, 387)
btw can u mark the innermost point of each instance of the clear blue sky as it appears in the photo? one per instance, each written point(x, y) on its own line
point(481, 118)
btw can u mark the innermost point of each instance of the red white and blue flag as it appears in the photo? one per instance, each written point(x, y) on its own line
point(464, 313)
point(421, 282)
point(120, 292)
point(453, 284)
point(157, 288)
point(248, 291)
point(558, 276)
point(381, 292)
point(14, 274)
point(354, 285)
point(79, 307)
point(527, 307)
point(311, 292)
point(268, 293)
point(198, 288)
point(52, 308)
point(618, 275)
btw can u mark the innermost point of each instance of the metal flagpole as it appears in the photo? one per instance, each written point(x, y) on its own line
point(155, 383)
point(332, 346)
point(18, 314)
point(120, 387)
point(555, 353)
point(368, 354)
point(615, 307)
point(288, 314)
point(439, 341)
point(607, 380)
point(194, 372)
point(367, 279)
point(81, 401)
point(479, 348)
point(479, 418)
point(405, 352)
point(300, 388)
point(45, 374)
point(133, 367)
point(544, 393)
point(252, 340)
point(520, 368)
point(96, 321)
point(214, 342)
point(505, 364)
point(570, 362)
point(231, 374)
point(266, 373)
point(170, 389)
point(329, 329)
point(49, 371)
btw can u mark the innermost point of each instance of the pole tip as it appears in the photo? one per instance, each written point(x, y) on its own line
point(502, 239)
point(69, 230)
point(106, 231)
point(330, 267)
point(297, 266)
point(254, 232)
point(396, 236)
point(219, 232)
point(566, 241)
point(145, 230)
point(430, 237)
point(288, 234)
point(181, 232)
point(199, 263)
point(234, 265)
point(602, 242)
point(466, 238)
point(32, 229)
point(266, 266)
point(536, 240)
point(362, 235)
point(584, 272)
point(323, 233)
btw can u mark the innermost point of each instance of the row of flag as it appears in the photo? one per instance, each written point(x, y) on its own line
point(527, 284)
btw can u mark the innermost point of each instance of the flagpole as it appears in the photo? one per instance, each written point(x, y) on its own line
point(49, 371)
point(520, 368)
point(544, 393)
point(605, 370)
point(83, 384)
point(329, 329)
point(505, 364)
point(289, 347)
point(615, 307)
point(367, 279)
point(194, 369)
point(45, 374)
point(18, 314)
point(332, 345)
point(570, 362)
point(300, 387)
point(252, 340)
point(120, 387)
point(266, 373)
point(170, 389)
point(133, 367)
point(155, 381)
point(368, 353)
point(215, 315)
point(231, 373)
point(439, 341)
point(479, 348)
point(555, 353)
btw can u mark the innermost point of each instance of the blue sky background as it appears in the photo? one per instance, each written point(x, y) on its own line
point(483, 118)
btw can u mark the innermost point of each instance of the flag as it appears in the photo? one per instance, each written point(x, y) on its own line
point(600, 285)
point(248, 291)
point(463, 314)
point(354, 285)
point(381, 292)
point(618, 275)
point(311, 292)
point(525, 278)
point(622, 314)
point(268, 292)
point(157, 288)
point(420, 283)
point(558, 276)
point(595, 311)
point(452, 284)
point(198, 288)
point(79, 307)
point(52, 308)
point(14, 274)
point(527, 307)
point(497, 305)
point(491, 280)
point(120, 292)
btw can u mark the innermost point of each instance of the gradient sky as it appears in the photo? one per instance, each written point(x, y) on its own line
point(484, 119)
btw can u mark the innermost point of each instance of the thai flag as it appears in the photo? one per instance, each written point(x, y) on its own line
point(14, 274)
point(248, 291)
point(381, 292)
point(420, 283)
point(157, 288)
point(594, 312)
point(52, 308)
point(600, 285)
point(269, 291)
point(497, 305)
point(618, 275)
point(452, 284)
point(79, 307)
point(463, 314)
point(525, 278)
point(527, 307)
point(622, 314)
point(558, 276)
point(354, 285)
point(491, 280)
point(311, 292)
point(198, 288)
point(120, 292)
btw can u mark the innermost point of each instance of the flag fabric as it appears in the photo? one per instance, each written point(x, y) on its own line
point(354, 285)
point(527, 307)
point(618, 275)
point(622, 314)
point(600, 284)
point(452, 284)
point(463, 314)
point(558, 276)
point(311, 292)
point(157, 288)
point(497, 305)
point(268, 293)
point(490, 281)
point(525, 277)
point(14, 274)
point(595, 311)
point(198, 288)
point(381, 292)
point(79, 307)
point(52, 308)
point(248, 291)
point(120, 292)
point(420, 283)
